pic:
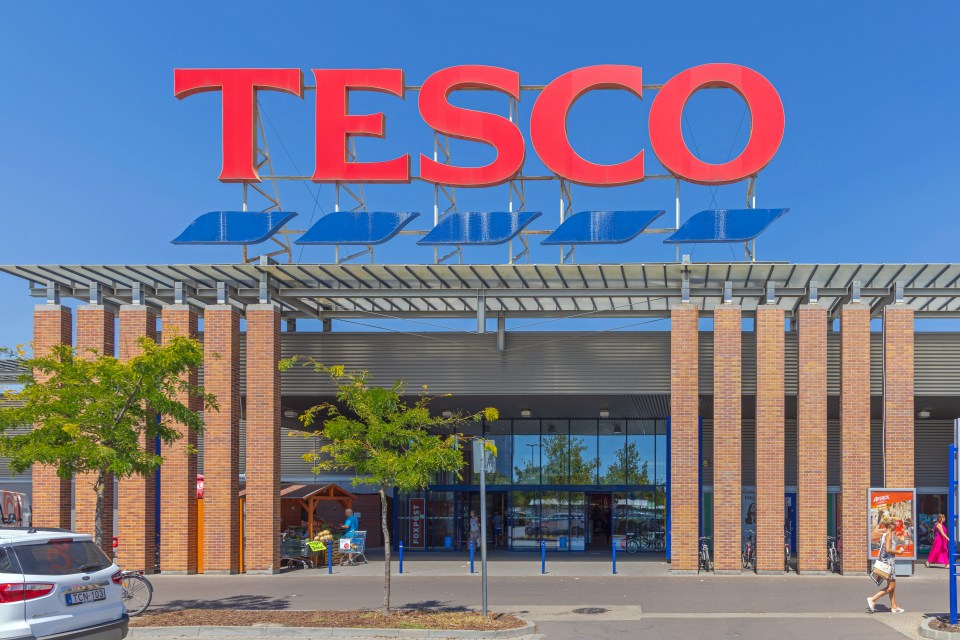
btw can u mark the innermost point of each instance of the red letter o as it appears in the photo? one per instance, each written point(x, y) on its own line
point(766, 114)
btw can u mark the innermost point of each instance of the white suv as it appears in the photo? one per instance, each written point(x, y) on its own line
point(58, 585)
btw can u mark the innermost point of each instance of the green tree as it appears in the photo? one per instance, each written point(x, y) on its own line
point(93, 413)
point(565, 462)
point(627, 467)
point(382, 439)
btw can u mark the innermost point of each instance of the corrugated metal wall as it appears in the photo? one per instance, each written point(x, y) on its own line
point(540, 363)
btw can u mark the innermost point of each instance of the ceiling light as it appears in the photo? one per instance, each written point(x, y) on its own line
point(923, 414)
point(447, 413)
point(617, 428)
point(551, 428)
point(525, 413)
point(291, 413)
point(604, 413)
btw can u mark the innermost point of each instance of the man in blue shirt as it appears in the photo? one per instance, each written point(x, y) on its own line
point(350, 526)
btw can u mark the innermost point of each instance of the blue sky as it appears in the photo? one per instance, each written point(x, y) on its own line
point(103, 165)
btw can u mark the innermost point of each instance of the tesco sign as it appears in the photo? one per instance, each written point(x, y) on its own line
point(548, 122)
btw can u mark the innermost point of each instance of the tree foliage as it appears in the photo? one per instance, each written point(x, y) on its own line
point(385, 441)
point(93, 413)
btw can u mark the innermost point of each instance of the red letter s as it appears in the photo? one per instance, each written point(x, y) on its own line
point(239, 87)
point(467, 124)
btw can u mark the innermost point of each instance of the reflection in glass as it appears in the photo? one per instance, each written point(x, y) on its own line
point(614, 455)
point(556, 452)
point(583, 452)
point(523, 520)
point(499, 432)
point(660, 475)
point(526, 452)
point(640, 455)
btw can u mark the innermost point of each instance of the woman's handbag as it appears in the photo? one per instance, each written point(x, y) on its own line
point(881, 571)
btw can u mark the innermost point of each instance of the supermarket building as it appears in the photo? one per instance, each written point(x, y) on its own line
point(790, 387)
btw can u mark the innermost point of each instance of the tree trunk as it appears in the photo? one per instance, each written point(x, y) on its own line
point(98, 512)
point(386, 550)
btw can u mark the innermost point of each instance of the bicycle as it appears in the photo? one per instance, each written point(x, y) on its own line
point(706, 564)
point(786, 553)
point(137, 592)
point(633, 542)
point(833, 555)
point(748, 558)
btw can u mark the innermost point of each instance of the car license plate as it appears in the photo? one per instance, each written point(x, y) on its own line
point(83, 597)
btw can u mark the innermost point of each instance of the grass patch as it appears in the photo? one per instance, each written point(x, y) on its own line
point(363, 619)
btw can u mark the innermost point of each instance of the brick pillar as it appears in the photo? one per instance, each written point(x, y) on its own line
point(727, 472)
point(898, 395)
point(52, 325)
point(812, 439)
point(95, 336)
point(770, 441)
point(854, 434)
point(136, 503)
point(262, 525)
point(221, 441)
point(178, 474)
point(684, 438)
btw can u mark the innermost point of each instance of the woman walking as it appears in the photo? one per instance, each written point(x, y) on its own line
point(888, 553)
point(938, 551)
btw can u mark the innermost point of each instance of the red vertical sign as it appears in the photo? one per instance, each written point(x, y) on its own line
point(416, 538)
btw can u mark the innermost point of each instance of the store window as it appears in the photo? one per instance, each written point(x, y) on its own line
point(499, 432)
point(556, 453)
point(614, 455)
point(583, 452)
point(526, 452)
point(928, 506)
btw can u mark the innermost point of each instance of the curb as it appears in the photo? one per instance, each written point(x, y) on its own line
point(926, 632)
point(275, 631)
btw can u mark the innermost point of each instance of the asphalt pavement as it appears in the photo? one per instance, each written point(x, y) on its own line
point(580, 598)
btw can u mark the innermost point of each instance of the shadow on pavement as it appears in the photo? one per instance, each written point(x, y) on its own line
point(436, 605)
point(245, 602)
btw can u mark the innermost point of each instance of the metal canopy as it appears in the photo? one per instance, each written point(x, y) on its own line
point(725, 225)
point(357, 227)
point(479, 227)
point(234, 227)
point(578, 290)
point(602, 227)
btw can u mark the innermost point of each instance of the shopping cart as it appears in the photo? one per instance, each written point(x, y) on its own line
point(354, 546)
point(293, 551)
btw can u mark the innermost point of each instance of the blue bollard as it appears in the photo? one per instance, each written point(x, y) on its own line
point(401, 557)
point(543, 557)
point(330, 557)
point(614, 557)
point(951, 530)
point(471, 556)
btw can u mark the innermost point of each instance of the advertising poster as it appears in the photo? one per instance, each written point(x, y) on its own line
point(748, 500)
point(899, 504)
point(417, 538)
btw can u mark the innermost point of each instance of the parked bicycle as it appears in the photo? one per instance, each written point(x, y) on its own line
point(137, 592)
point(656, 540)
point(748, 558)
point(786, 552)
point(833, 555)
point(706, 564)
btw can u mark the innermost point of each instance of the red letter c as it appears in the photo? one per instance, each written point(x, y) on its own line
point(548, 125)
point(766, 114)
